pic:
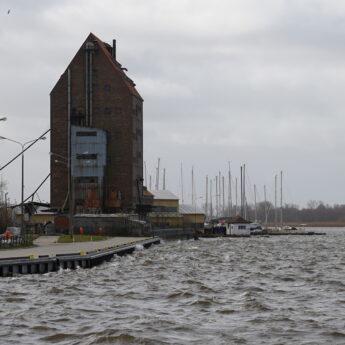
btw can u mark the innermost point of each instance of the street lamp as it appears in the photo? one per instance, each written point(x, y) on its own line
point(22, 196)
point(3, 118)
point(69, 189)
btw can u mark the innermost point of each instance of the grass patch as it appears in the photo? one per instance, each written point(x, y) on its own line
point(80, 238)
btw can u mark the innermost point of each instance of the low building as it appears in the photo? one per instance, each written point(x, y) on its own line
point(165, 210)
point(164, 220)
point(238, 226)
point(165, 201)
point(36, 215)
point(193, 216)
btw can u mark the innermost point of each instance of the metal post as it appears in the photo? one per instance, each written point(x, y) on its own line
point(69, 154)
point(22, 187)
point(22, 202)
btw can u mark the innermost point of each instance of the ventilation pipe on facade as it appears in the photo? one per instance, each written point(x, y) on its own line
point(114, 50)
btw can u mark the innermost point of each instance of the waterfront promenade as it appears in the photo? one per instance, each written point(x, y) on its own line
point(47, 245)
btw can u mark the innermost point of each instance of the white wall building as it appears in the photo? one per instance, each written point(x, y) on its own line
point(238, 226)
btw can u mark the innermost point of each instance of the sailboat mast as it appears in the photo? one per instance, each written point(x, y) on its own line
point(241, 214)
point(256, 215)
point(223, 196)
point(244, 192)
point(236, 196)
point(229, 195)
point(206, 196)
point(211, 207)
point(217, 205)
point(192, 185)
point(182, 183)
point(275, 202)
point(266, 211)
point(281, 199)
point(157, 175)
point(220, 193)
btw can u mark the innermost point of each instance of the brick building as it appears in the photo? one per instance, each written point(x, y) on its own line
point(96, 134)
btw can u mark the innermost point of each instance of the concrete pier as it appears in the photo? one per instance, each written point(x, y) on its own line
point(52, 257)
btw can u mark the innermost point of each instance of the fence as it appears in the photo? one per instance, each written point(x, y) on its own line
point(16, 241)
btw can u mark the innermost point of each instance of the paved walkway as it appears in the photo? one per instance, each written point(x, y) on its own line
point(45, 240)
point(46, 245)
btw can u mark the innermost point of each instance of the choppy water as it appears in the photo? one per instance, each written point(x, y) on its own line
point(277, 290)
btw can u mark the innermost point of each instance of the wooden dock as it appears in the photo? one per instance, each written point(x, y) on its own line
point(44, 263)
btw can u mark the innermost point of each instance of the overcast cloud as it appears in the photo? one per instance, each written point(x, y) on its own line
point(245, 81)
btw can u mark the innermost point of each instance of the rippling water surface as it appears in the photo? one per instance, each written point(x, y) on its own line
point(276, 290)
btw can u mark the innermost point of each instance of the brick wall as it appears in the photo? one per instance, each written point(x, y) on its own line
point(115, 108)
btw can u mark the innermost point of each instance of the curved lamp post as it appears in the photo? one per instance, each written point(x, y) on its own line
point(22, 145)
point(70, 193)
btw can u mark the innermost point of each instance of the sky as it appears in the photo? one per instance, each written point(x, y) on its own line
point(224, 82)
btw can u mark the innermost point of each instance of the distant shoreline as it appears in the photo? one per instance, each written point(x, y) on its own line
point(312, 224)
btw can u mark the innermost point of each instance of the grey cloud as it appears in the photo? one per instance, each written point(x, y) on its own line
point(245, 81)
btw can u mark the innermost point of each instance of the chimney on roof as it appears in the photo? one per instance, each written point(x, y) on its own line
point(114, 50)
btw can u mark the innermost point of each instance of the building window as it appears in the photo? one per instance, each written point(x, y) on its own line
point(86, 155)
point(107, 88)
point(87, 179)
point(86, 134)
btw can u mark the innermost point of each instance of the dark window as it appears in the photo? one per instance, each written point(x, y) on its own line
point(86, 134)
point(107, 88)
point(87, 179)
point(86, 155)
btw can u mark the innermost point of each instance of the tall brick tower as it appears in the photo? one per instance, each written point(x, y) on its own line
point(96, 134)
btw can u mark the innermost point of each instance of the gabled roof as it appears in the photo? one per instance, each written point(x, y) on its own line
point(238, 220)
point(116, 66)
point(164, 195)
point(190, 209)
